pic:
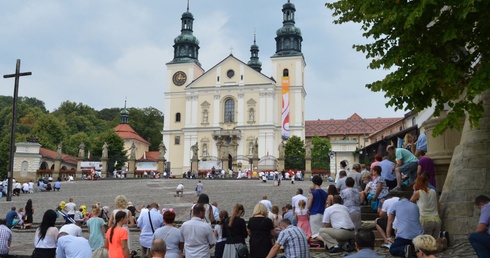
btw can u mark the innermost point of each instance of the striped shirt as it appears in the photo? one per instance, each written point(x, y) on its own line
point(5, 237)
point(294, 241)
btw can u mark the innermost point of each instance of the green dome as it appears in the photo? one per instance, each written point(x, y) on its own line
point(288, 30)
point(124, 112)
point(186, 38)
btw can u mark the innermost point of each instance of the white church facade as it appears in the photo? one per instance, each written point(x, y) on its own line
point(233, 112)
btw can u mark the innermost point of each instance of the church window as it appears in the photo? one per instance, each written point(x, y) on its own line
point(177, 117)
point(241, 77)
point(229, 111)
point(285, 72)
point(230, 73)
point(177, 140)
point(217, 79)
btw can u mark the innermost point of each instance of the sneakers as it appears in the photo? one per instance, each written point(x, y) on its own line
point(409, 251)
point(386, 245)
point(334, 250)
point(445, 234)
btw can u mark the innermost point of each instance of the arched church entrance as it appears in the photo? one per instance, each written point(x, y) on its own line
point(230, 162)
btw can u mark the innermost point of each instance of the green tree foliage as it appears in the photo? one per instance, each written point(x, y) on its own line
point(72, 143)
point(148, 122)
point(437, 52)
point(50, 131)
point(320, 158)
point(294, 151)
point(79, 118)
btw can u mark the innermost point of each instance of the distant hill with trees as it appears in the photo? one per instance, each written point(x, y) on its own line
point(72, 123)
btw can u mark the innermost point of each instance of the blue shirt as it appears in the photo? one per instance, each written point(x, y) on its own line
point(365, 253)
point(422, 142)
point(10, 218)
point(485, 216)
point(407, 217)
point(386, 169)
point(57, 184)
point(319, 200)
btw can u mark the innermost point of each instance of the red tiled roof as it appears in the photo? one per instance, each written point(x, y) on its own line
point(52, 155)
point(352, 125)
point(150, 156)
point(126, 132)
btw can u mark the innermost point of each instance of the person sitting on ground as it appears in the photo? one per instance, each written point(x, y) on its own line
point(351, 199)
point(425, 246)
point(25, 187)
point(426, 165)
point(480, 240)
point(356, 175)
point(5, 238)
point(70, 244)
point(340, 184)
point(338, 226)
point(275, 217)
point(57, 185)
point(428, 203)
point(368, 189)
point(382, 220)
point(387, 172)
point(379, 187)
point(365, 244)
point(12, 218)
point(179, 190)
point(287, 212)
point(407, 227)
point(331, 191)
point(293, 239)
point(158, 248)
point(406, 164)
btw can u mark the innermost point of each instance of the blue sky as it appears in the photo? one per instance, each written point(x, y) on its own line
point(100, 52)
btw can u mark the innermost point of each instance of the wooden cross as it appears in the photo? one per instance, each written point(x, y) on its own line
point(17, 76)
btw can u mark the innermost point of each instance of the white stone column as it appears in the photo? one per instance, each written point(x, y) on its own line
point(270, 107)
point(194, 111)
point(262, 110)
point(242, 113)
point(216, 110)
point(188, 110)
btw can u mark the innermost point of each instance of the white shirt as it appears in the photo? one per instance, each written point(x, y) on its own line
point(267, 204)
point(72, 229)
point(338, 216)
point(297, 198)
point(70, 208)
point(197, 236)
point(146, 235)
point(31, 185)
point(180, 187)
point(25, 186)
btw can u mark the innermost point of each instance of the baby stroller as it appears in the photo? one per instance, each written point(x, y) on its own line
point(68, 219)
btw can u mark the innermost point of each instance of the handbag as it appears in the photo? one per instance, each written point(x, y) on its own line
point(241, 251)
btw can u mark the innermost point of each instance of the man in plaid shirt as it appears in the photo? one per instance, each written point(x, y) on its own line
point(294, 241)
point(5, 238)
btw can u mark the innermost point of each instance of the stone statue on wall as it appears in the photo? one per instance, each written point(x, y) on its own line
point(59, 151)
point(308, 150)
point(251, 115)
point(162, 150)
point(105, 152)
point(281, 150)
point(256, 148)
point(195, 149)
point(81, 150)
point(132, 151)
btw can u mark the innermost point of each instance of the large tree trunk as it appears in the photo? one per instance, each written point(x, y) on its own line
point(467, 177)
